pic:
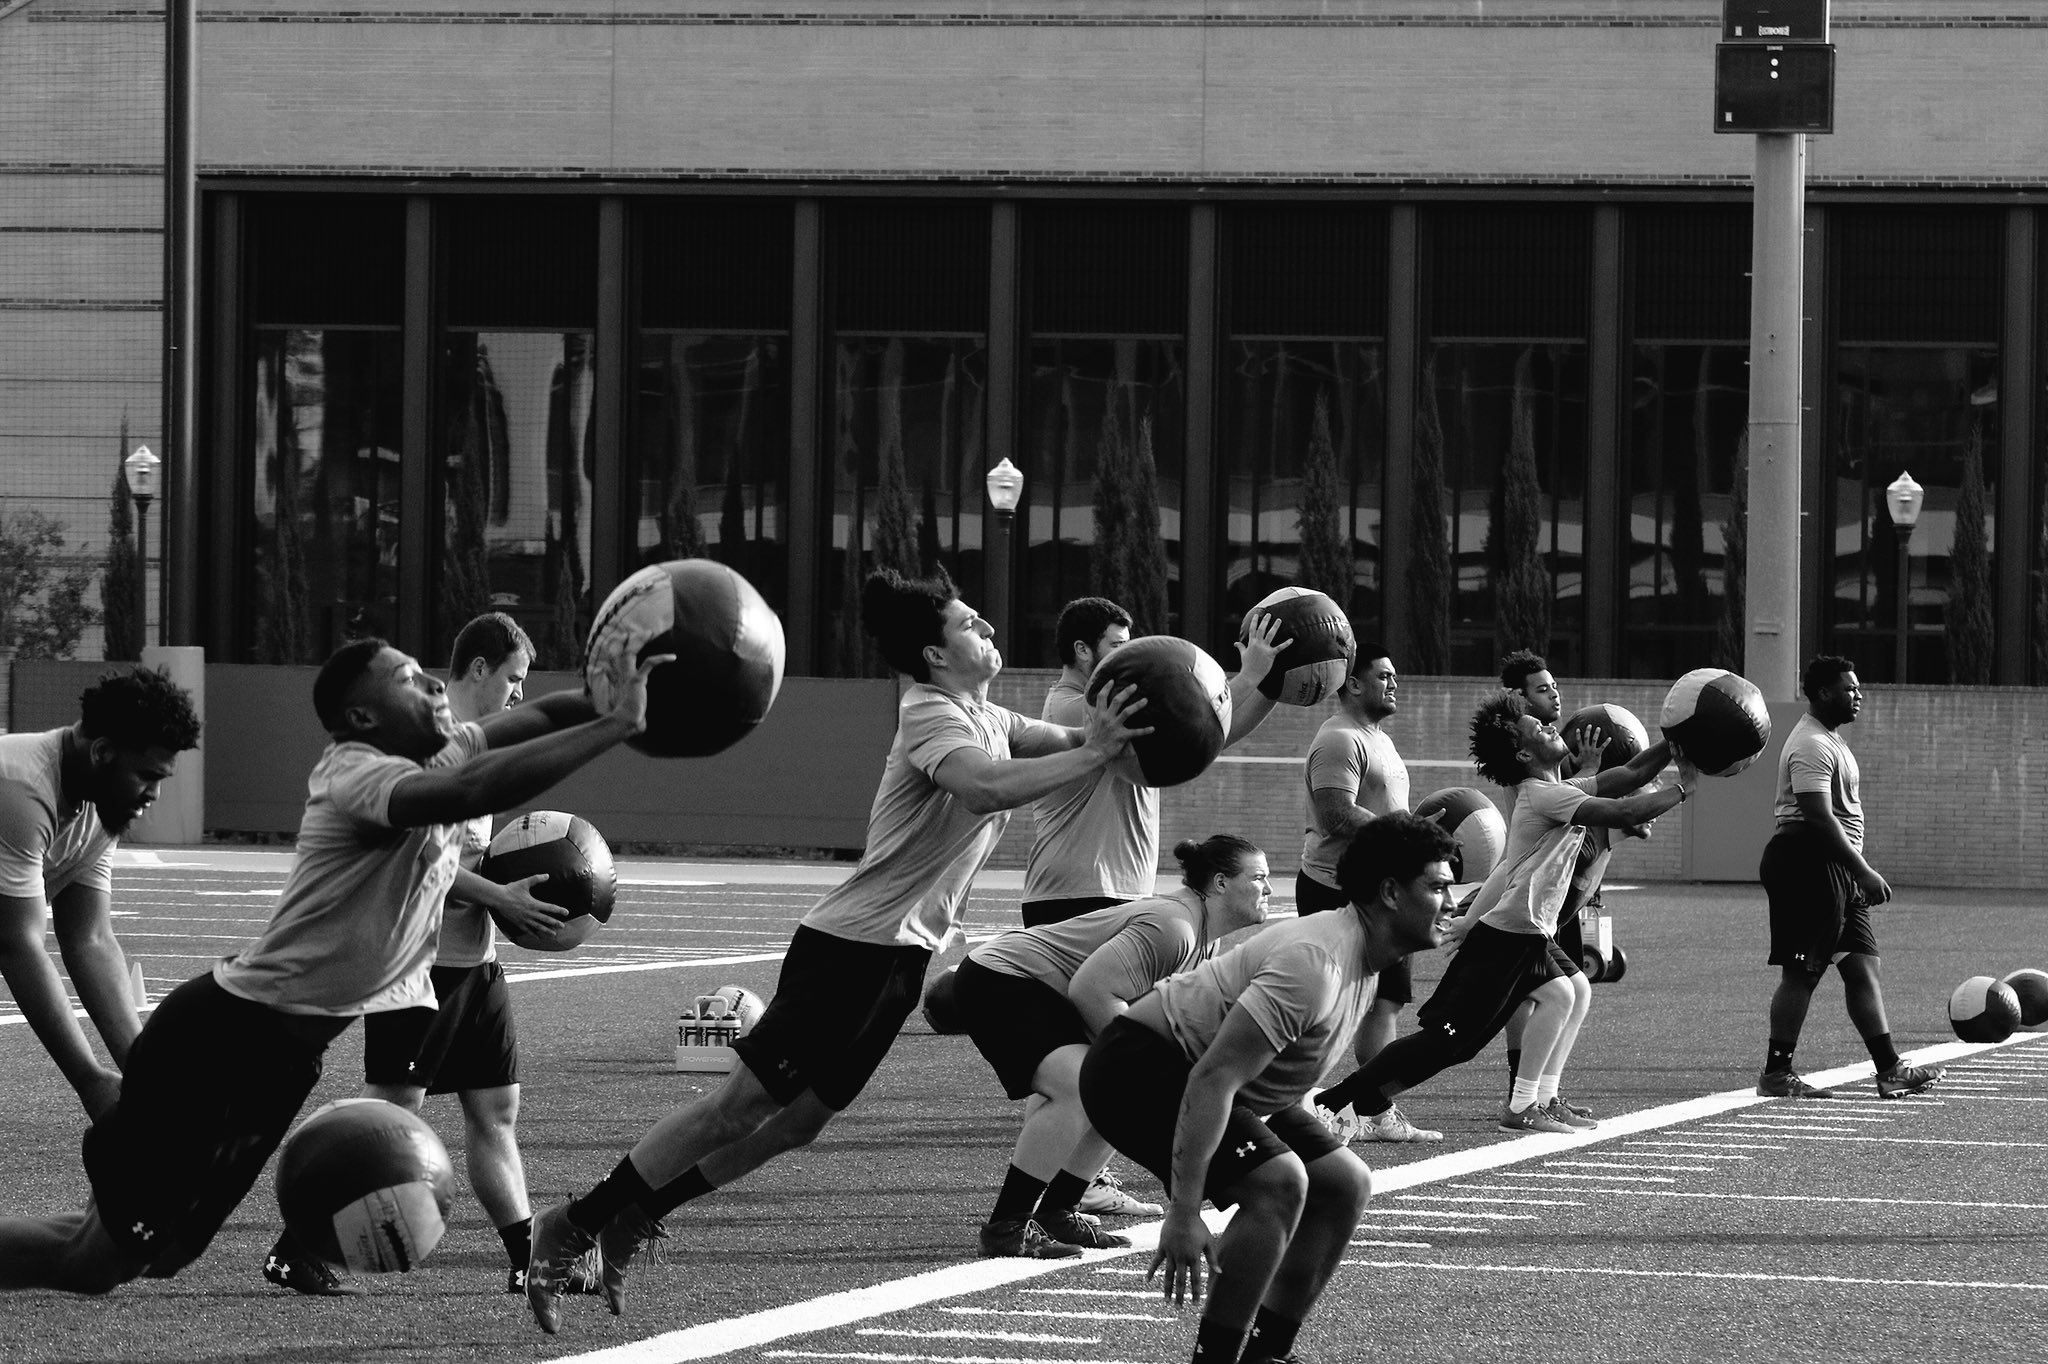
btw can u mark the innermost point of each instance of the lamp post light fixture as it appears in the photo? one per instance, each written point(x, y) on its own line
point(144, 472)
point(1005, 488)
point(1903, 500)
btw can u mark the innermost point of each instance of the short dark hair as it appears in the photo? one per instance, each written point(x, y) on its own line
point(1518, 667)
point(1822, 672)
point(139, 708)
point(338, 677)
point(1496, 739)
point(492, 637)
point(1394, 847)
point(903, 615)
point(1216, 855)
point(1082, 621)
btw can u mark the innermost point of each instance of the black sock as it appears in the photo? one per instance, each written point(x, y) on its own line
point(1064, 1193)
point(1216, 1344)
point(518, 1239)
point(613, 1194)
point(1018, 1198)
point(1779, 1058)
point(1272, 1336)
point(678, 1191)
point(1882, 1051)
point(1365, 1102)
point(1514, 1064)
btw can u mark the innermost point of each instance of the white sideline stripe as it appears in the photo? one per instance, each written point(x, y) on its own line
point(875, 1357)
point(1038, 1312)
point(1484, 1216)
point(1794, 1198)
point(1019, 1337)
point(1689, 1274)
point(1512, 1202)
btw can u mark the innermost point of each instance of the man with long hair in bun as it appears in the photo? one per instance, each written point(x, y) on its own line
point(855, 968)
point(1034, 998)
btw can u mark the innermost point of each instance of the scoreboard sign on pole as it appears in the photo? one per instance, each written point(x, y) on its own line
point(1775, 73)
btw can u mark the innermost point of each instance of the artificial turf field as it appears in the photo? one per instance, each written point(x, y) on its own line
point(1690, 1227)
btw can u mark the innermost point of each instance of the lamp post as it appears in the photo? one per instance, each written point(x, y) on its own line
point(1902, 499)
point(143, 468)
point(1005, 487)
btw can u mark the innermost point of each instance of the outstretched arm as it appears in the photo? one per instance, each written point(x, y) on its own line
point(1248, 705)
point(985, 785)
point(39, 994)
point(84, 919)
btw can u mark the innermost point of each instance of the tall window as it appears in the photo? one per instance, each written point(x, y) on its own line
point(1500, 437)
point(1301, 450)
point(1915, 390)
point(908, 290)
point(326, 304)
point(1687, 417)
point(517, 383)
point(707, 456)
point(1104, 414)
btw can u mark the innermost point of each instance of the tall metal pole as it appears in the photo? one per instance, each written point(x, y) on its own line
point(142, 566)
point(182, 478)
point(1771, 577)
point(1905, 596)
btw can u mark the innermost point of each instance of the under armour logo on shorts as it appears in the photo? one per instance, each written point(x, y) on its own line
point(1247, 1148)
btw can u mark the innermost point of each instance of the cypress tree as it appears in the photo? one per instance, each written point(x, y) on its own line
point(1429, 566)
point(120, 581)
point(1972, 633)
point(1325, 539)
point(1521, 578)
point(1732, 640)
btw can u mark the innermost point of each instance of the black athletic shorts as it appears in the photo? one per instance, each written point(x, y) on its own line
point(1818, 914)
point(1397, 982)
point(1016, 1022)
point(210, 1089)
point(1571, 939)
point(1038, 912)
point(467, 1043)
point(1131, 1085)
point(837, 1009)
point(1488, 978)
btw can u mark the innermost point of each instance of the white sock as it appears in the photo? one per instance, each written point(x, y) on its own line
point(1524, 1095)
point(1546, 1088)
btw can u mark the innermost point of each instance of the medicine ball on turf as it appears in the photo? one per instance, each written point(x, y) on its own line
point(942, 1004)
point(1320, 645)
point(1626, 736)
point(1187, 707)
point(1983, 1009)
point(728, 648)
point(2030, 987)
point(1467, 815)
point(578, 864)
point(1718, 719)
point(365, 1184)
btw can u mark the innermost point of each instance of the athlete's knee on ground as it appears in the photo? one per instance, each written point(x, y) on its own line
point(91, 1263)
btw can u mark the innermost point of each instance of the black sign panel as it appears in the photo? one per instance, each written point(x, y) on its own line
point(1773, 89)
point(1774, 21)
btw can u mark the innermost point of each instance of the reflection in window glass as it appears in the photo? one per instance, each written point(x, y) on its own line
point(1503, 430)
point(706, 472)
point(1105, 441)
point(1301, 449)
point(326, 435)
point(1688, 409)
point(1931, 411)
point(906, 470)
point(515, 453)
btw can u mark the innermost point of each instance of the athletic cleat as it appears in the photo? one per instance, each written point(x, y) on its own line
point(289, 1267)
point(1393, 1125)
point(1533, 1119)
point(1783, 1084)
point(558, 1244)
point(1106, 1198)
point(1570, 1117)
point(1580, 1109)
point(516, 1281)
point(1021, 1238)
point(1343, 1123)
point(1905, 1079)
point(621, 1240)
point(1067, 1228)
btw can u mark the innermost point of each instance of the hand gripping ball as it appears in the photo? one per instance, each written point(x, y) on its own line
point(2030, 987)
point(728, 648)
point(1467, 815)
point(1320, 645)
point(1983, 1009)
point(1626, 736)
point(1187, 707)
point(365, 1184)
point(942, 1003)
point(578, 864)
point(1718, 719)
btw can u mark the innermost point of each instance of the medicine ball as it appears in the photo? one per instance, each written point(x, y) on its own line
point(578, 865)
point(1320, 645)
point(1718, 719)
point(1187, 707)
point(1467, 815)
point(364, 1184)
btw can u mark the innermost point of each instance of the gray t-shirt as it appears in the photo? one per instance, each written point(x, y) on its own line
point(1096, 836)
point(1527, 890)
point(1305, 982)
point(1817, 758)
point(925, 846)
point(1147, 941)
point(45, 848)
point(1359, 761)
point(355, 928)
